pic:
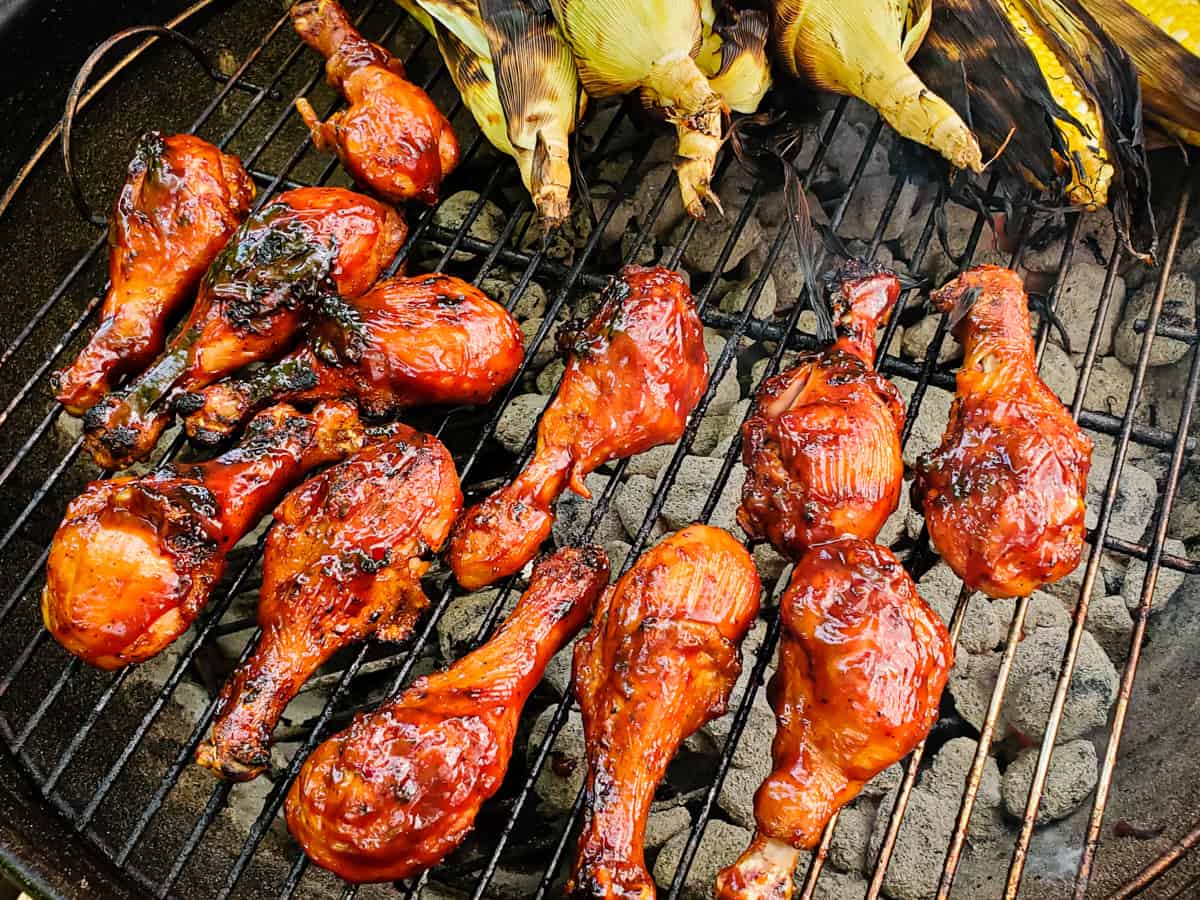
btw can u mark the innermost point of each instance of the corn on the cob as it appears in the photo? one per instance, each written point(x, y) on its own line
point(1163, 37)
point(862, 49)
point(733, 55)
point(1045, 88)
point(623, 46)
point(539, 92)
point(516, 75)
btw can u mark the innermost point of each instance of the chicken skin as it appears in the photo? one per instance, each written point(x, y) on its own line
point(181, 201)
point(660, 660)
point(636, 370)
point(822, 445)
point(135, 559)
point(400, 788)
point(433, 339)
point(309, 246)
point(391, 137)
point(343, 562)
point(1004, 493)
point(862, 664)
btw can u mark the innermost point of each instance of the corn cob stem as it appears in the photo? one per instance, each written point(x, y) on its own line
point(684, 94)
point(916, 112)
point(547, 173)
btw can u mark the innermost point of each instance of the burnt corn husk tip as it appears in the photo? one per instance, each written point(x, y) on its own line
point(1052, 98)
point(516, 75)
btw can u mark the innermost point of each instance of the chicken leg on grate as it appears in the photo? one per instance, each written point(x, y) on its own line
point(822, 445)
point(400, 788)
point(391, 138)
point(343, 561)
point(1004, 494)
point(862, 664)
point(432, 339)
point(306, 247)
point(660, 660)
point(135, 559)
point(181, 201)
point(636, 370)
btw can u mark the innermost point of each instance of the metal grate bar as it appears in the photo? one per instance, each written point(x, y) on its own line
point(983, 745)
point(260, 200)
point(766, 649)
point(667, 479)
point(40, 494)
point(955, 624)
point(270, 808)
point(901, 804)
point(94, 302)
point(50, 302)
point(1129, 673)
point(102, 241)
point(209, 621)
point(1020, 852)
point(1159, 867)
point(1142, 616)
point(273, 801)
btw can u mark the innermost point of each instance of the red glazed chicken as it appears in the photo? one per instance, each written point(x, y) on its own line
point(1004, 494)
point(308, 245)
point(181, 201)
point(433, 339)
point(343, 562)
point(391, 137)
point(400, 788)
point(636, 370)
point(135, 559)
point(862, 664)
point(822, 445)
point(660, 660)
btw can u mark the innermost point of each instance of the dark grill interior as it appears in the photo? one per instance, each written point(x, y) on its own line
point(112, 752)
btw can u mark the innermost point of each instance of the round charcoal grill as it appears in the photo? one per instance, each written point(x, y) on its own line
point(99, 796)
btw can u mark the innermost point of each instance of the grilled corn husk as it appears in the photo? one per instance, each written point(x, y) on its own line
point(1047, 89)
point(646, 46)
point(517, 76)
point(540, 94)
point(861, 49)
point(733, 54)
point(1163, 37)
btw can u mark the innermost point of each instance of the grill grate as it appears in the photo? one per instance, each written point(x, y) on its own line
point(277, 162)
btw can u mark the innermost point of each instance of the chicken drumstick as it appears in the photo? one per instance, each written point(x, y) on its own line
point(181, 200)
point(1004, 493)
point(400, 788)
point(408, 341)
point(636, 370)
point(134, 560)
point(862, 664)
point(307, 246)
point(391, 138)
point(659, 662)
point(343, 561)
point(822, 446)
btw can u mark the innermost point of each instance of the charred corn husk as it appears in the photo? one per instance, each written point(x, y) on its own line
point(646, 46)
point(862, 49)
point(733, 55)
point(1047, 89)
point(468, 58)
point(517, 76)
point(1163, 37)
point(539, 92)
